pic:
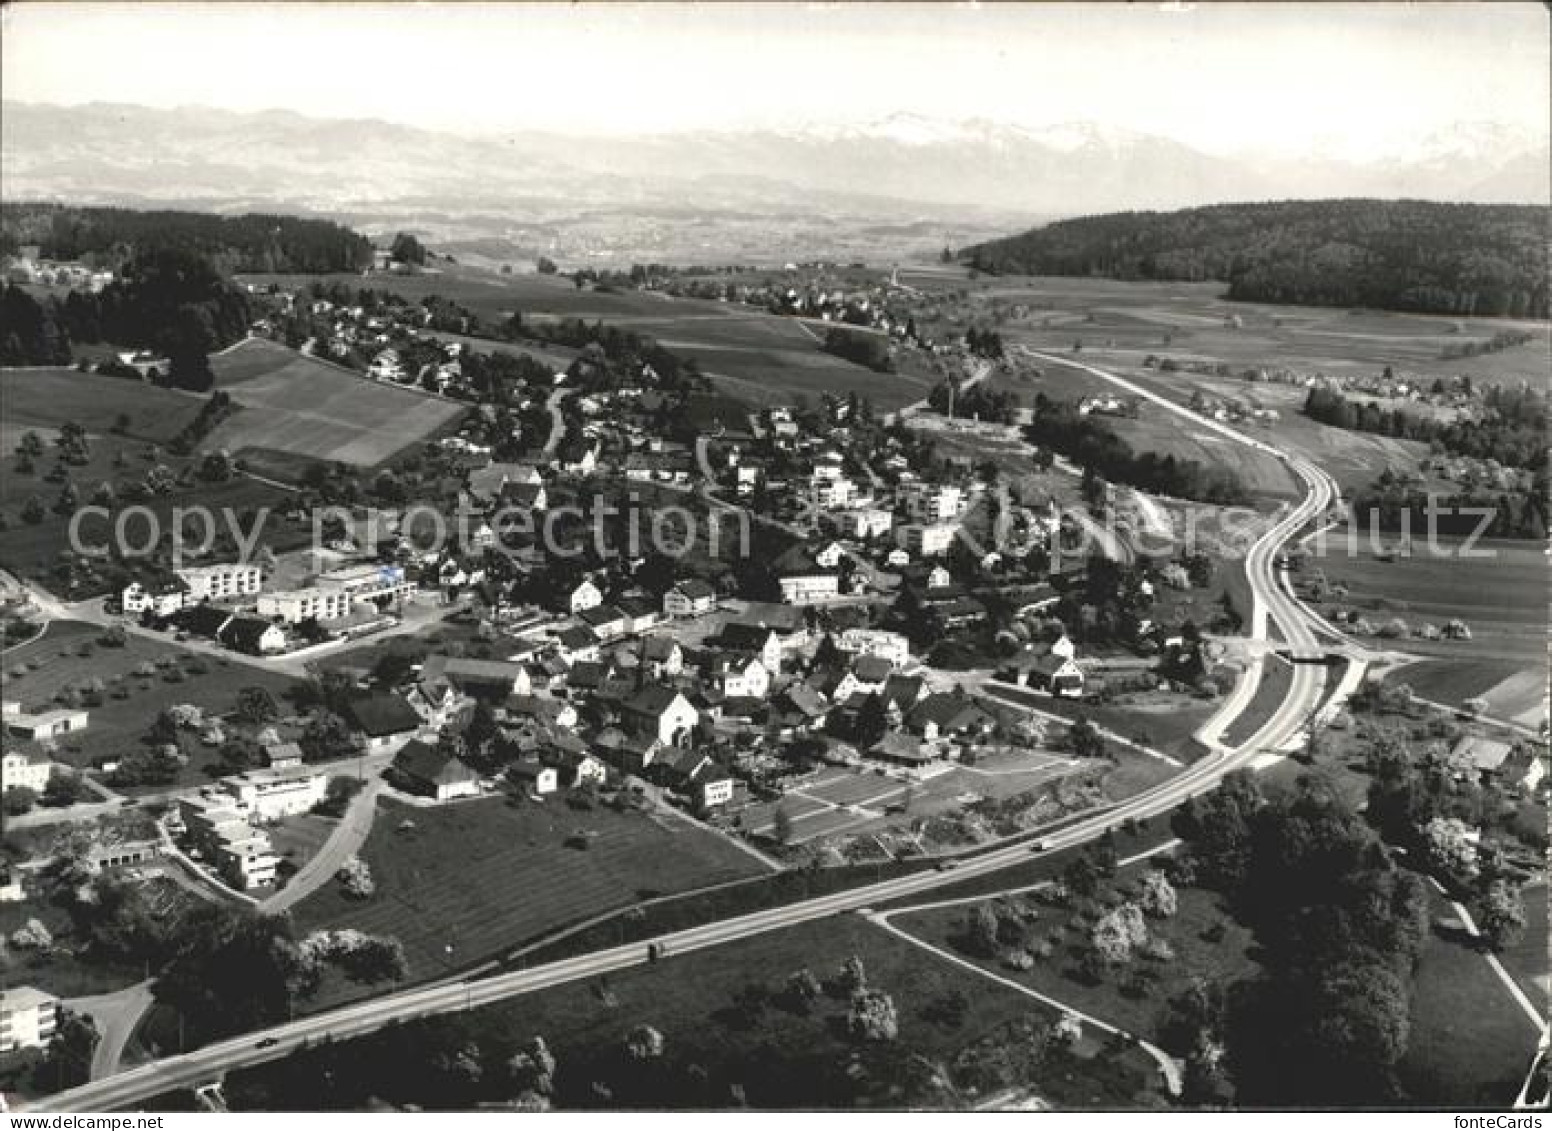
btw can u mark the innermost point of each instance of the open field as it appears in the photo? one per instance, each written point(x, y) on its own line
point(782, 1055)
point(1501, 594)
point(1201, 912)
point(841, 801)
point(44, 399)
point(1122, 322)
point(1512, 691)
point(1470, 1044)
point(479, 876)
point(1165, 722)
point(299, 405)
point(139, 680)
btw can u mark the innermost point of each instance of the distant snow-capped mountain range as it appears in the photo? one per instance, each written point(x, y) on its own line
point(903, 167)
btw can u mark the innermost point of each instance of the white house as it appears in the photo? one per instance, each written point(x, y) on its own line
point(891, 646)
point(830, 555)
point(586, 595)
point(28, 771)
point(932, 502)
point(661, 713)
point(535, 776)
point(930, 540)
point(868, 522)
point(159, 599)
point(739, 678)
point(690, 598)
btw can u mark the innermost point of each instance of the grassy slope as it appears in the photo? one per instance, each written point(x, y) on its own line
point(484, 876)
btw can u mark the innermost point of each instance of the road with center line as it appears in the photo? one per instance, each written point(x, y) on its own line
point(1273, 605)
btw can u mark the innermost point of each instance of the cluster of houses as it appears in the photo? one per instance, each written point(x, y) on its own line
point(227, 603)
point(224, 822)
point(29, 266)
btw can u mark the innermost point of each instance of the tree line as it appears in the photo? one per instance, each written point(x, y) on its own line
point(1511, 429)
point(1487, 260)
point(256, 242)
point(1091, 443)
point(172, 302)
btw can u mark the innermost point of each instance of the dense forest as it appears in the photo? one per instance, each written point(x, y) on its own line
point(172, 302)
point(254, 243)
point(1392, 504)
point(1089, 442)
point(1512, 429)
point(1464, 259)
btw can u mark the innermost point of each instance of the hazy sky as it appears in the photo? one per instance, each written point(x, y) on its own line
point(1349, 79)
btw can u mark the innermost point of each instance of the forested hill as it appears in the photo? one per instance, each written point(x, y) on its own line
point(253, 243)
point(1412, 255)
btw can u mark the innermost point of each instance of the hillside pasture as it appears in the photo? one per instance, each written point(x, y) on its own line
point(1501, 597)
point(463, 882)
point(47, 398)
point(299, 405)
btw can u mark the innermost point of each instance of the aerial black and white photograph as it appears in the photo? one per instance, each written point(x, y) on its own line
point(762, 557)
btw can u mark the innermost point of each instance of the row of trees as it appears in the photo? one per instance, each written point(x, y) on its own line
point(860, 348)
point(1512, 428)
point(1087, 440)
point(1471, 259)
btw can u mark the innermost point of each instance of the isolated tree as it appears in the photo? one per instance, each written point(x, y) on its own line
point(1448, 845)
point(782, 825)
point(644, 1043)
point(1157, 898)
point(981, 930)
point(872, 1016)
point(1503, 914)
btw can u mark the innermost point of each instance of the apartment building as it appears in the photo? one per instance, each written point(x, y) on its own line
point(221, 582)
point(296, 605)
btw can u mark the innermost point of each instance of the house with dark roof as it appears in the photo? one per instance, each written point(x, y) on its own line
point(383, 719)
point(943, 714)
point(607, 621)
point(661, 656)
point(752, 640)
point(205, 621)
point(660, 713)
point(641, 612)
point(253, 636)
point(578, 642)
point(426, 769)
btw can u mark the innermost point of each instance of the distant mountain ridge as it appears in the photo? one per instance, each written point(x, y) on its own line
point(1423, 256)
point(979, 173)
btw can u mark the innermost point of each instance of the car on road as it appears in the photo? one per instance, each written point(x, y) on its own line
point(267, 1043)
point(1040, 846)
point(947, 865)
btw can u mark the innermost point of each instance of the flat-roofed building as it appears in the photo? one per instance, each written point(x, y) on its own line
point(277, 792)
point(221, 582)
point(371, 581)
point(28, 1018)
point(296, 605)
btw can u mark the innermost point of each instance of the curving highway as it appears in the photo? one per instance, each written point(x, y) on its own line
point(1273, 605)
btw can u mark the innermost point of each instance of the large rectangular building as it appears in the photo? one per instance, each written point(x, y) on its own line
point(272, 793)
point(221, 582)
point(372, 581)
point(296, 605)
